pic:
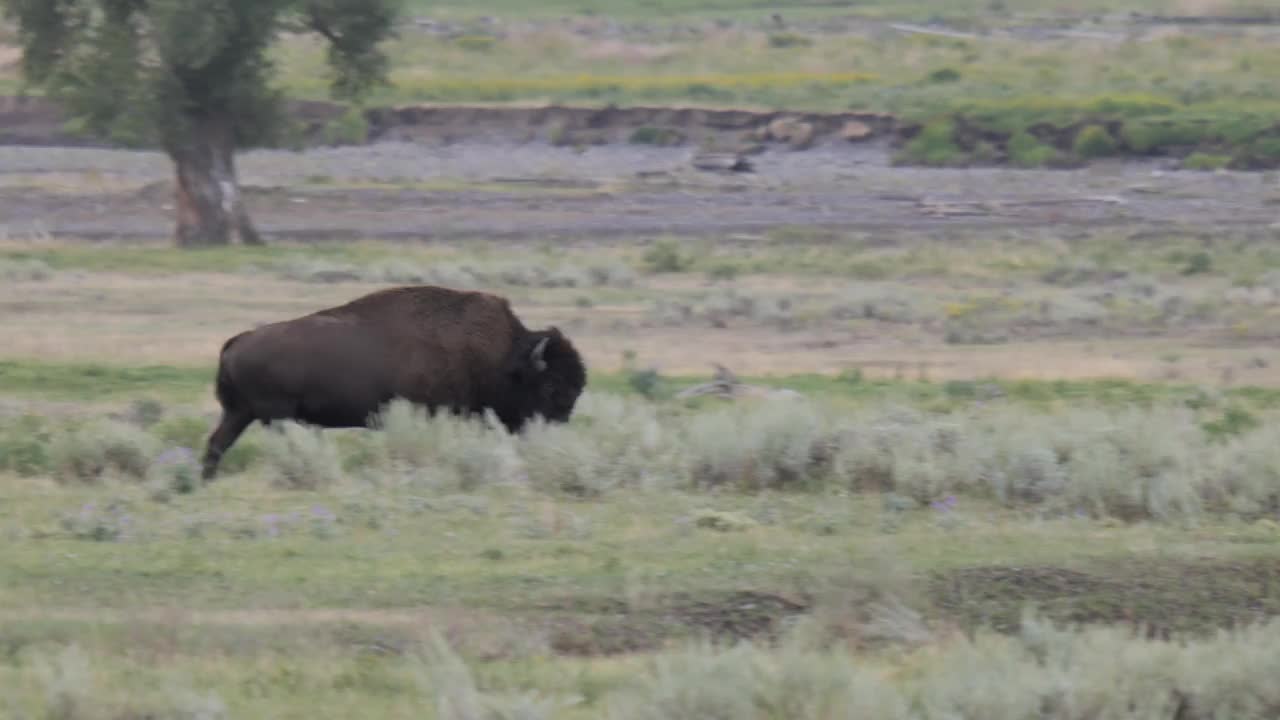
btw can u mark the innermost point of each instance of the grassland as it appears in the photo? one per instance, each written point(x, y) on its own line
point(1017, 472)
point(873, 525)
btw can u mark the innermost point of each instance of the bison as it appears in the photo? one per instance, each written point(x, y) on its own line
point(461, 351)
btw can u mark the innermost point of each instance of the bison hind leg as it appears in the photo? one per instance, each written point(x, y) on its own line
point(229, 429)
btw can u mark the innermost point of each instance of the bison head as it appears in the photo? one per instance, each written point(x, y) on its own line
point(547, 376)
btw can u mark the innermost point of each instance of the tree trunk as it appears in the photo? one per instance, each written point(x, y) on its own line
point(211, 210)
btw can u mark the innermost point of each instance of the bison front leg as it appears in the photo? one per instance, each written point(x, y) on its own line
point(229, 429)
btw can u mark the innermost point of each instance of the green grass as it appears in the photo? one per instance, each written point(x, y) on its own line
point(510, 578)
point(104, 382)
point(145, 259)
point(790, 250)
point(895, 74)
point(100, 381)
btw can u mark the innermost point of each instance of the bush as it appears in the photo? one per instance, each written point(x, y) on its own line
point(1044, 672)
point(665, 256)
point(103, 448)
point(350, 128)
point(20, 270)
point(300, 458)
point(1095, 142)
point(24, 447)
point(614, 442)
point(1160, 135)
point(943, 75)
point(446, 451)
point(935, 145)
point(781, 443)
point(662, 137)
point(1205, 161)
point(1028, 152)
point(784, 40)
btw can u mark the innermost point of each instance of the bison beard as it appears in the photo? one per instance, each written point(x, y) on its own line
point(466, 352)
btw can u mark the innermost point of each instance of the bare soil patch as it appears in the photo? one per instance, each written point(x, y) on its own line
point(1158, 598)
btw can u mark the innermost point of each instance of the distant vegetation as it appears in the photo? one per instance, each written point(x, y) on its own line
point(983, 100)
point(1003, 99)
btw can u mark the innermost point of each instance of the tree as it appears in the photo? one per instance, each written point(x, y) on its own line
point(193, 77)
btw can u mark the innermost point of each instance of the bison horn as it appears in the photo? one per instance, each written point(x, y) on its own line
point(539, 363)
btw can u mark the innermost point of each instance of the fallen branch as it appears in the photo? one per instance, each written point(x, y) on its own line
point(726, 385)
point(921, 30)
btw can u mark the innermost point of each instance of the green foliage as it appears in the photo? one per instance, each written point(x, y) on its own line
point(1028, 152)
point(24, 446)
point(103, 448)
point(1234, 421)
point(1205, 161)
point(662, 137)
point(783, 40)
point(1156, 135)
point(22, 270)
point(934, 145)
point(302, 458)
point(944, 75)
point(350, 128)
point(646, 383)
point(1094, 141)
point(1198, 263)
point(665, 256)
point(199, 67)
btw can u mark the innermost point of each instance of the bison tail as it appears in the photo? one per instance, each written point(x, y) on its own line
point(224, 386)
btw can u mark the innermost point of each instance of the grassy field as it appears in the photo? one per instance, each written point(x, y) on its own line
point(873, 535)
point(1028, 472)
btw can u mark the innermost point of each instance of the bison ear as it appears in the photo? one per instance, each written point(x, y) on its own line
point(537, 356)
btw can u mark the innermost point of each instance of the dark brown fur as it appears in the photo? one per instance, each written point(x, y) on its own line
point(445, 349)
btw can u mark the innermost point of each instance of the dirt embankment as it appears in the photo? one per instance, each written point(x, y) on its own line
point(39, 122)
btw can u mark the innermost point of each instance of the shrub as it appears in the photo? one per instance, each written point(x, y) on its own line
point(21, 270)
point(447, 451)
point(350, 128)
point(784, 40)
point(1028, 152)
point(1198, 263)
point(1043, 672)
point(943, 75)
point(444, 676)
point(1095, 142)
point(614, 442)
point(780, 443)
point(300, 458)
point(24, 446)
point(102, 448)
point(1205, 161)
point(662, 137)
point(665, 256)
point(935, 145)
point(1159, 135)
